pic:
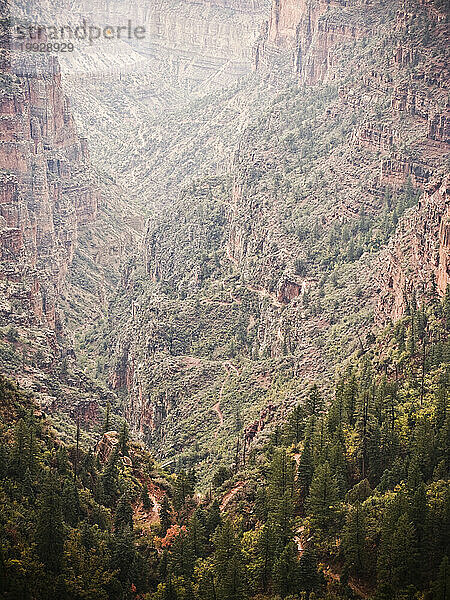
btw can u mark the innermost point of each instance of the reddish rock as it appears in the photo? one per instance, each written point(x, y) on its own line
point(106, 445)
point(288, 291)
point(419, 250)
point(47, 191)
point(396, 169)
point(266, 416)
point(375, 138)
point(86, 410)
point(304, 30)
point(439, 128)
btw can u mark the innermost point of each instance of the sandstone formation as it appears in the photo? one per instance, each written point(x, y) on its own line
point(309, 31)
point(48, 190)
point(284, 250)
point(418, 257)
point(202, 43)
point(280, 211)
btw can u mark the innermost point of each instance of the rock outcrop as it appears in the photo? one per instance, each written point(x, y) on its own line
point(187, 40)
point(48, 190)
point(418, 257)
point(309, 31)
point(284, 250)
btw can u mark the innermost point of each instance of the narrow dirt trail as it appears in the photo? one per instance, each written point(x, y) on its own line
point(146, 518)
point(230, 495)
point(264, 294)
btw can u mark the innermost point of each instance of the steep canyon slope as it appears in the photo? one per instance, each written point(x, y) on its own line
point(259, 281)
point(56, 213)
point(70, 223)
point(236, 236)
point(284, 209)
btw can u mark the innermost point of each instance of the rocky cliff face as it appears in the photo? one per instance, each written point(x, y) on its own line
point(309, 31)
point(216, 28)
point(64, 232)
point(418, 257)
point(48, 190)
point(276, 263)
point(406, 143)
point(194, 43)
point(258, 271)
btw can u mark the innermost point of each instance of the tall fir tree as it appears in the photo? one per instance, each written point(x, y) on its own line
point(49, 525)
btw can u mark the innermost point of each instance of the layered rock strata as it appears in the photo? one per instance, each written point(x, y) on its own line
point(48, 190)
point(418, 257)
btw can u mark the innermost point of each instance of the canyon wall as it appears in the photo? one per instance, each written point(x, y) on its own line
point(282, 262)
point(308, 32)
point(411, 139)
point(48, 191)
point(418, 257)
point(191, 41)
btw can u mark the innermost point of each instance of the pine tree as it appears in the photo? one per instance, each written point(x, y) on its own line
point(411, 340)
point(286, 571)
point(337, 459)
point(350, 394)
point(124, 513)
point(336, 412)
point(225, 544)
point(261, 508)
point(364, 426)
point(228, 563)
point(296, 424)
point(213, 519)
point(305, 470)
point(123, 439)
point(281, 476)
point(397, 555)
point(62, 461)
point(441, 587)
point(197, 535)
point(323, 498)
point(49, 525)
point(417, 497)
point(404, 553)
point(354, 540)
point(206, 580)
point(192, 479)
point(164, 516)
point(266, 545)
point(220, 476)
point(182, 556)
point(109, 478)
point(18, 452)
point(314, 401)
point(123, 554)
point(309, 578)
point(282, 494)
point(70, 502)
point(183, 490)
point(163, 567)
point(28, 486)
